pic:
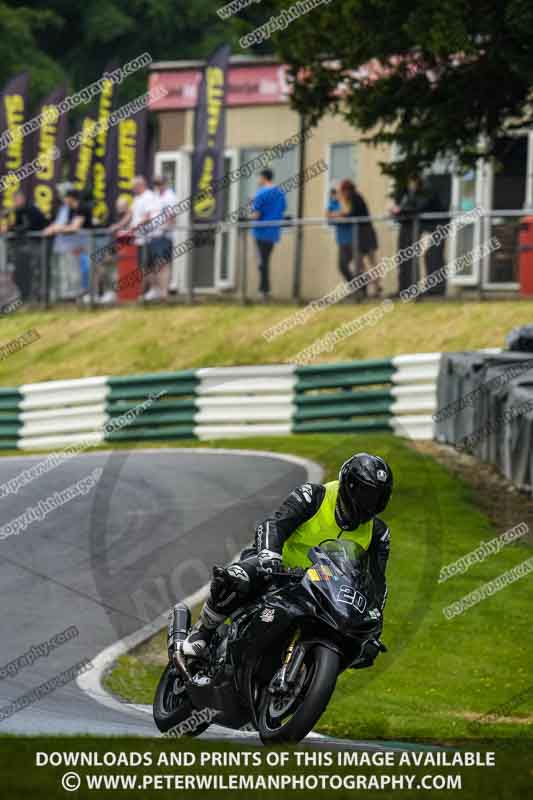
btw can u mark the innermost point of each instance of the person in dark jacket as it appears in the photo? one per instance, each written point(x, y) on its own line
point(434, 254)
point(347, 508)
point(357, 241)
point(418, 199)
point(28, 218)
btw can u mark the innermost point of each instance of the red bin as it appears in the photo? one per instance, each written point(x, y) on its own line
point(129, 277)
point(525, 249)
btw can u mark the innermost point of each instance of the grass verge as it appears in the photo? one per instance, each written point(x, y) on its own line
point(439, 675)
point(76, 344)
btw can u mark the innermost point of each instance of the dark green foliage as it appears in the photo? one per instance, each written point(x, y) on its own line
point(74, 40)
point(474, 70)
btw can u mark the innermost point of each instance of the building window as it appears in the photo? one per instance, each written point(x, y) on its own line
point(342, 162)
point(283, 168)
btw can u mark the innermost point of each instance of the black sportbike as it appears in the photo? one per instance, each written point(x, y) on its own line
point(273, 666)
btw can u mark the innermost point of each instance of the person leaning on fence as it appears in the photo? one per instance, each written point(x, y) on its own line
point(105, 265)
point(73, 218)
point(433, 255)
point(418, 199)
point(28, 218)
point(269, 204)
point(356, 241)
point(143, 209)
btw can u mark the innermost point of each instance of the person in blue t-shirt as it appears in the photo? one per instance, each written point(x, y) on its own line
point(269, 204)
point(343, 234)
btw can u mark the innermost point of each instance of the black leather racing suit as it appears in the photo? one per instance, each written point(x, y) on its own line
point(241, 580)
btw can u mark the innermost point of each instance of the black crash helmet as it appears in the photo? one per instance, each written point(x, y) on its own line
point(365, 487)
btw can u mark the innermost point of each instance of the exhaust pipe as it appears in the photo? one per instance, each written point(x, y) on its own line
point(179, 623)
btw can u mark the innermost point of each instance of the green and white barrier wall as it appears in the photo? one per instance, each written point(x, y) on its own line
point(397, 394)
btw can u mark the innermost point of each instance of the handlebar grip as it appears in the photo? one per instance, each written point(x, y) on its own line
point(290, 572)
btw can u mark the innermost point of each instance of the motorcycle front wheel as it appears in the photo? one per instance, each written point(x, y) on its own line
point(172, 707)
point(288, 718)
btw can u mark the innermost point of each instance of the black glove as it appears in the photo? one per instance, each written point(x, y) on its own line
point(269, 561)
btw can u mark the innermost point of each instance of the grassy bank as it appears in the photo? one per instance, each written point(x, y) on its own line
point(439, 675)
point(76, 343)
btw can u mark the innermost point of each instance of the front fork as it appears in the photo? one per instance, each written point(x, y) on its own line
point(286, 678)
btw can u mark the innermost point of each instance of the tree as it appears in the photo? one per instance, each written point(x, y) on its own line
point(437, 77)
point(20, 28)
point(72, 41)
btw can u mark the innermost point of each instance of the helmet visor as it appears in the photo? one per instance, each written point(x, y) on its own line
point(370, 499)
point(361, 504)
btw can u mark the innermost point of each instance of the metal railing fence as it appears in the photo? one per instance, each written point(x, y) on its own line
point(221, 259)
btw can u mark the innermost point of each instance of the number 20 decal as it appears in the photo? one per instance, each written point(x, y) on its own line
point(349, 595)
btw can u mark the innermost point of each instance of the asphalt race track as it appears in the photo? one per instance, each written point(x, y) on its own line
point(113, 560)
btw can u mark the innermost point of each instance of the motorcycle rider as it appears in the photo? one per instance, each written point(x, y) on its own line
point(347, 507)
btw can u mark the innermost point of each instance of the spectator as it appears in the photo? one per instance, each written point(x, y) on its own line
point(28, 217)
point(343, 235)
point(356, 241)
point(418, 199)
point(143, 208)
point(69, 227)
point(269, 204)
point(122, 214)
point(107, 264)
point(58, 270)
point(160, 243)
point(434, 254)
point(333, 207)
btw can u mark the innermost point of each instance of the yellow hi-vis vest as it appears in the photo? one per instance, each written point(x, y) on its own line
point(321, 526)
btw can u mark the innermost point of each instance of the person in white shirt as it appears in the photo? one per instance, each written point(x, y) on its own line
point(161, 241)
point(143, 209)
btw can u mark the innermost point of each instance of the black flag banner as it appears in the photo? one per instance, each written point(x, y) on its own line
point(125, 157)
point(13, 101)
point(132, 151)
point(47, 144)
point(82, 156)
point(209, 137)
point(104, 161)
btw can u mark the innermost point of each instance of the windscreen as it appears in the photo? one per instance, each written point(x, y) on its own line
point(344, 553)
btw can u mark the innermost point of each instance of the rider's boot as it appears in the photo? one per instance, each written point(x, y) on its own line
point(196, 645)
point(229, 587)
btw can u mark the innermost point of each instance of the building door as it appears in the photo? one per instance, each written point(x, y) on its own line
point(226, 243)
point(504, 184)
point(213, 261)
point(507, 192)
point(467, 193)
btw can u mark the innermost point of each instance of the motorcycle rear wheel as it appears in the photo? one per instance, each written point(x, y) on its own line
point(172, 708)
point(290, 720)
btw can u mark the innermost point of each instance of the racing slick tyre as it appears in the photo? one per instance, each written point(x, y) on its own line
point(172, 707)
point(286, 718)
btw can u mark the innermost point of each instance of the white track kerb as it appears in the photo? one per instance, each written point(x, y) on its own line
point(390, 394)
point(91, 681)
